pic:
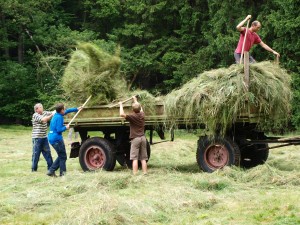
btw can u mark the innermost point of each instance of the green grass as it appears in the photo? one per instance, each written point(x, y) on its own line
point(174, 192)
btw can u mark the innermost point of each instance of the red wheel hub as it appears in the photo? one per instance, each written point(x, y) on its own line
point(95, 157)
point(216, 156)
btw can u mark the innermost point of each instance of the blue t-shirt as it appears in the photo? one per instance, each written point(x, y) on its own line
point(57, 126)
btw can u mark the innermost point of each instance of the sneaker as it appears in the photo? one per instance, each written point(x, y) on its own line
point(51, 174)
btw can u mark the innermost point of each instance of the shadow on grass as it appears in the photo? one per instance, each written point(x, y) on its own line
point(185, 168)
point(119, 168)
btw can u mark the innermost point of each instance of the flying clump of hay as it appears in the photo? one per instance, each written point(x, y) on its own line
point(92, 71)
point(217, 98)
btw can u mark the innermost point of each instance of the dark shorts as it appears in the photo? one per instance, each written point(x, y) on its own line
point(138, 149)
point(237, 57)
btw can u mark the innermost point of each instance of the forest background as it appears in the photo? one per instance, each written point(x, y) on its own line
point(164, 43)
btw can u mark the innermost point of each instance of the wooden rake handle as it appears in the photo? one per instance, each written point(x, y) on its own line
point(276, 59)
point(79, 111)
point(241, 60)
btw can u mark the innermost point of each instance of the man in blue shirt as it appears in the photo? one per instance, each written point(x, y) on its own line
point(56, 139)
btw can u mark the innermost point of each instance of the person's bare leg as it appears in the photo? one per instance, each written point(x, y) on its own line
point(144, 166)
point(135, 166)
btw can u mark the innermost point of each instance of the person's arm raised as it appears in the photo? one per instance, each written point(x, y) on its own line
point(135, 101)
point(240, 27)
point(46, 118)
point(122, 113)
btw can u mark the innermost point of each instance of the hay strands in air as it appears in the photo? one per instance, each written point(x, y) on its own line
point(92, 71)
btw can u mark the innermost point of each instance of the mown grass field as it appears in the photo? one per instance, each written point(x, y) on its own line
point(174, 192)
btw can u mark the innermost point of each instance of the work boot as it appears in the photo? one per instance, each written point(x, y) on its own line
point(62, 174)
point(51, 174)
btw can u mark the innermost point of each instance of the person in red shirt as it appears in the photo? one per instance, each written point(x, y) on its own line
point(138, 149)
point(252, 39)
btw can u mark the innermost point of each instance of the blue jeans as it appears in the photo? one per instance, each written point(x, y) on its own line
point(60, 161)
point(40, 145)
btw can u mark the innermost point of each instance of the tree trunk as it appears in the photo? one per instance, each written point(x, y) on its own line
point(6, 48)
point(21, 48)
point(6, 52)
point(84, 18)
point(39, 51)
point(132, 80)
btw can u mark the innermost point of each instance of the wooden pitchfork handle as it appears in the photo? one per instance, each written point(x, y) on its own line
point(241, 59)
point(277, 59)
point(79, 111)
point(126, 100)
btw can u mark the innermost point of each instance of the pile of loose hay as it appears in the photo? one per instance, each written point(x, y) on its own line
point(147, 100)
point(91, 71)
point(262, 175)
point(217, 98)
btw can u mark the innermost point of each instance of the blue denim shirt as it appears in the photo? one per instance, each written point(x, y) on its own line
point(57, 126)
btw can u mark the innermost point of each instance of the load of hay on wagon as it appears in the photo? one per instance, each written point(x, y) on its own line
point(215, 98)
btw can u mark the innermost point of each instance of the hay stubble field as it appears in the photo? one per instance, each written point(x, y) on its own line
point(174, 192)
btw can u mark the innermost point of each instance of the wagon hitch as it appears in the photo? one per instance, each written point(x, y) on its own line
point(284, 142)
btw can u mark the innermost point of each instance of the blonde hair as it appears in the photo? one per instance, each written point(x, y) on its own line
point(136, 107)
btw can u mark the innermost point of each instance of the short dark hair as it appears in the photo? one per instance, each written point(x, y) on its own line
point(59, 107)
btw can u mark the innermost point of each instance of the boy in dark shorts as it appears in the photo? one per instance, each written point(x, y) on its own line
point(138, 149)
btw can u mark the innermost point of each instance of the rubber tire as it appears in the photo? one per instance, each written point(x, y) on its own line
point(105, 146)
point(206, 142)
point(121, 159)
point(251, 157)
point(129, 162)
point(122, 150)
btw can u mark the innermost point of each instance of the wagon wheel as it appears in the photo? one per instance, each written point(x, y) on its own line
point(252, 156)
point(216, 152)
point(122, 150)
point(96, 153)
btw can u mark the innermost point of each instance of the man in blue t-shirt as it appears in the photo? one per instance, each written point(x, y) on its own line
point(56, 139)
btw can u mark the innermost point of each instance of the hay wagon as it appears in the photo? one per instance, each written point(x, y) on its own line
point(242, 144)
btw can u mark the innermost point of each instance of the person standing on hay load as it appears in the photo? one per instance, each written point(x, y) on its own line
point(138, 149)
point(39, 136)
point(56, 139)
point(251, 39)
